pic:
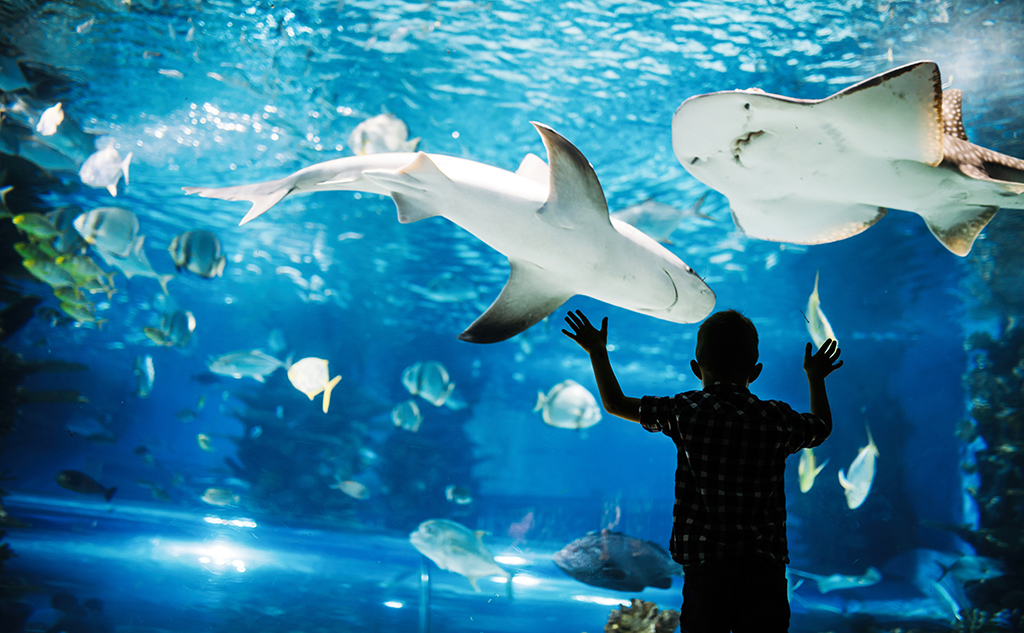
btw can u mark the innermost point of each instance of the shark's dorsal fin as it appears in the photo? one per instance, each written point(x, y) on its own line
point(530, 295)
point(575, 196)
point(534, 168)
point(905, 110)
point(952, 113)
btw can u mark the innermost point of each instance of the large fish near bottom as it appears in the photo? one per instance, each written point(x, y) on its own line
point(616, 561)
point(550, 220)
point(816, 171)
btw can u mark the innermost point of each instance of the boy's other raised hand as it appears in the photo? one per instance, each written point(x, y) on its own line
point(586, 335)
point(823, 362)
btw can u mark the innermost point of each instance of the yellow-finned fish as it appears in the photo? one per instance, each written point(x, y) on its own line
point(857, 484)
point(310, 376)
point(817, 324)
point(807, 470)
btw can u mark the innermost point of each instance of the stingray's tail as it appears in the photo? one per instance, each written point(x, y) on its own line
point(262, 195)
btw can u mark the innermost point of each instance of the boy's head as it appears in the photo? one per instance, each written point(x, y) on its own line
point(727, 348)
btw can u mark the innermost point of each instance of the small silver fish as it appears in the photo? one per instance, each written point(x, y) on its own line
point(568, 405)
point(145, 374)
point(428, 380)
point(50, 120)
point(81, 483)
point(199, 252)
point(110, 229)
point(104, 169)
point(254, 363)
point(406, 415)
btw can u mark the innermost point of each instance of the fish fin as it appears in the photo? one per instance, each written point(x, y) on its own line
point(843, 481)
point(262, 195)
point(952, 113)
point(163, 279)
point(218, 267)
point(957, 228)
point(411, 145)
point(124, 167)
point(817, 274)
point(112, 189)
point(530, 295)
point(662, 583)
point(575, 196)
point(871, 440)
point(409, 186)
point(541, 399)
point(472, 581)
point(258, 378)
point(109, 493)
point(327, 392)
point(534, 168)
point(823, 464)
point(802, 221)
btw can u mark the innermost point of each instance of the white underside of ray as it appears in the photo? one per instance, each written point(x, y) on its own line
point(557, 235)
point(812, 172)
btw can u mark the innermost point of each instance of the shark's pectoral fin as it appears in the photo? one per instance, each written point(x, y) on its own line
point(534, 168)
point(575, 197)
point(958, 228)
point(530, 295)
point(803, 221)
point(409, 187)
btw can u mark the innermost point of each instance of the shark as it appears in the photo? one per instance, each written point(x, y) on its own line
point(817, 171)
point(550, 219)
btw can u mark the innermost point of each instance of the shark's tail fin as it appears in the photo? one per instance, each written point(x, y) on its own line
point(262, 195)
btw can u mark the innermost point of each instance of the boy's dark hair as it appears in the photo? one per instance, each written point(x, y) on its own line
point(727, 344)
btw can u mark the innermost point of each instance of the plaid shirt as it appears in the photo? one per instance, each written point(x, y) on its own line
point(732, 449)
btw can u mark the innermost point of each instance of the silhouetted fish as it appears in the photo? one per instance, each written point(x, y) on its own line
point(616, 561)
point(81, 483)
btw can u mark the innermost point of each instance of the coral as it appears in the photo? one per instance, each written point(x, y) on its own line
point(641, 617)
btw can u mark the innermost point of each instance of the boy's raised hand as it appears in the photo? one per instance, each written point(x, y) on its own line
point(823, 362)
point(586, 335)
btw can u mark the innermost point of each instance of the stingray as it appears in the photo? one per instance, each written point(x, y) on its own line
point(817, 171)
point(550, 219)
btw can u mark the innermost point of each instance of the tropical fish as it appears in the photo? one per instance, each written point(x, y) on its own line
point(40, 251)
point(817, 323)
point(145, 374)
point(84, 269)
point(454, 547)
point(382, 133)
point(104, 169)
point(82, 313)
point(817, 171)
point(568, 405)
point(48, 272)
point(35, 224)
point(220, 497)
point(406, 415)
point(657, 219)
point(199, 252)
point(353, 489)
point(136, 264)
point(616, 561)
point(428, 380)
point(50, 119)
point(310, 376)
point(175, 329)
point(862, 473)
point(551, 223)
point(110, 229)
point(458, 495)
point(254, 363)
point(807, 470)
point(81, 483)
point(838, 581)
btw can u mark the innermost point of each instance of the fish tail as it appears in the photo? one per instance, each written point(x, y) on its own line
point(163, 279)
point(124, 167)
point(109, 493)
point(327, 392)
point(262, 195)
point(508, 589)
point(541, 399)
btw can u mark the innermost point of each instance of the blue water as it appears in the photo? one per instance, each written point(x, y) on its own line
point(224, 93)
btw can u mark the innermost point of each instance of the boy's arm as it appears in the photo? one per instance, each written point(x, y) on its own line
point(818, 366)
point(595, 343)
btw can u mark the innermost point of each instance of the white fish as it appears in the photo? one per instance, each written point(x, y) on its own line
point(145, 374)
point(199, 252)
point(454, 547)
point(178, 327)
point(429, 381)
point(658, 219)
point(136, 264)
point(110, 229)
point(817, 323)
point(406, 415)
point(50, 120)
point(310, 376)
point(104, 169)
point(354, 489)
point(838, 581)
point(862, 472)
point(568, 405)
point(220, 497)
point(817, 171)
point(551, 223)
point(807, 469)
point(254, 363)
point(382, 133)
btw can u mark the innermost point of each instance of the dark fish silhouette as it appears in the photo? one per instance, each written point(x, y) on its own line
point(616, 561)
point(81, 483)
